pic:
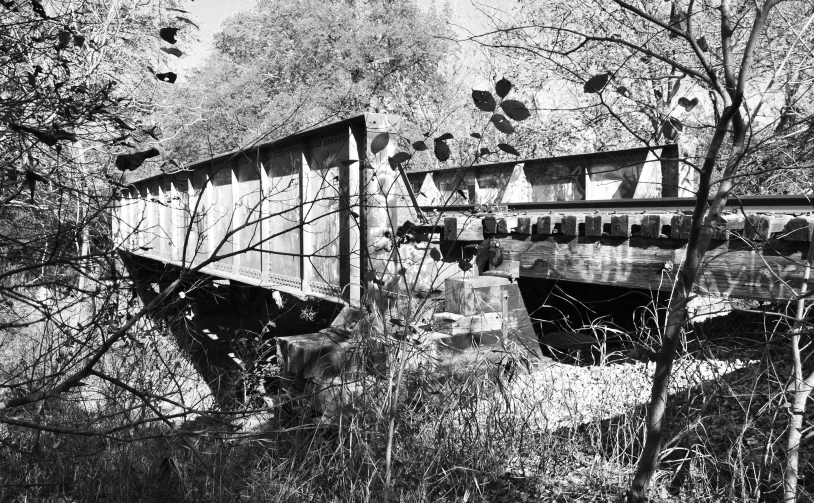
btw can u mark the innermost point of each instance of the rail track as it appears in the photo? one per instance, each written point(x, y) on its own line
point(794, 205)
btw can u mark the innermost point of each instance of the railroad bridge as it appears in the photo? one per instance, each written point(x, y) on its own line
point(332, 214)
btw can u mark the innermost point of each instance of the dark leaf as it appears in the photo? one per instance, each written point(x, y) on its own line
point(677, 17)
point(568, 340)
point(10, 5)
point(121, 123)
point(397, 322)
point(668, 131)
point(64, 38)
point(401, 157)
point(168, 34)
point(397, 159)
point(79, 40)
point(515, 110)
point(402, 271)
point(173, 50)
point(35, 176)
point(31, 178)
point(621, 90)
point(671, 127)
point(39, 9)
point(464, 265)
point(379, 143)
point(596, 83)
point(445, 137)
point(151, 133)
point(508, 149)
point(168, 77)
point(484, 151)
point(405, 229)
point(503, 87)
point(658, 94)
point(475, 135)
point(419, 146)
point(502, 124)
point(129, 162)
point(484, 100)
point(441, 151)
point(348, 162)
point(187, 21)
point(688, 104)
point(435, 254)
point(354, 214)
point(49, 137)
point(703, 45)
point(673, 91)
point(677, 124)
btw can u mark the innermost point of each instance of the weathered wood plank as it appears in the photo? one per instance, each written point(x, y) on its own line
point(680, 226)
point(523, 225)
point(593, 225)
point(494, 225)
point(651, 226)
point(450, 229)
point(761, 227)
point(547, 224)
point(570, 224)
point(722, 230)
point(799, 229)
point(652, 264)
point(622, 225)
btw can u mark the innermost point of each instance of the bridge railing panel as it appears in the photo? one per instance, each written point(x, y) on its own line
point(143, 218)
point(221, 211)
point(181, 219)
point(199, 205)
point(625, 174)
point(130, 218)
point(248, 216)
point(323, 210)
point(635, 176)
point(282, 234)
point(555, 181)
point(116, 214)
point(386, 205)
point(165, 226)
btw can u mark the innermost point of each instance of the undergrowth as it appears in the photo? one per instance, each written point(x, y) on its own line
point(488, 434)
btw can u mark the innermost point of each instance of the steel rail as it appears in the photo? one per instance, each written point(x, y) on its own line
point(786, 204)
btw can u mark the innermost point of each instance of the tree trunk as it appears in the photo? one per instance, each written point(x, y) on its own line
point(700, 235)
point(802, 390)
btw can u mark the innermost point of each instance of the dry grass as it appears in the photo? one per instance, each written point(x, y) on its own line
point(562, 433)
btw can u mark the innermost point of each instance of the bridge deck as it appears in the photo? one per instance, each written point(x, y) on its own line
point(320, 213)
point(752, 255)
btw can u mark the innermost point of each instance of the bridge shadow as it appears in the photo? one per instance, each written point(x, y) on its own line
point(228, 330)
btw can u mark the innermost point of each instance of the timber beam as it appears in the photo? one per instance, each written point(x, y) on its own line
point(757, 256)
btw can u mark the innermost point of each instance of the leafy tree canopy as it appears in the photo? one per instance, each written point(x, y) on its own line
point(286, 65)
